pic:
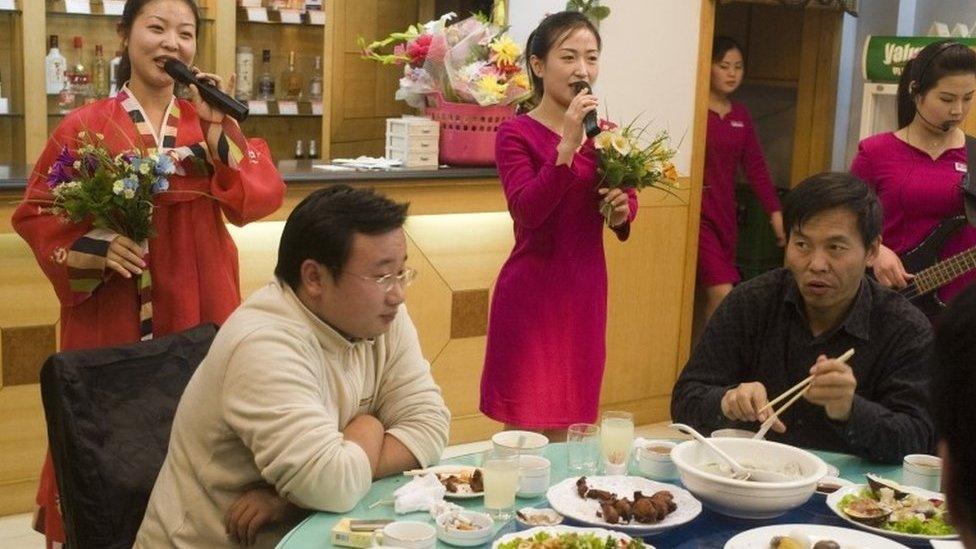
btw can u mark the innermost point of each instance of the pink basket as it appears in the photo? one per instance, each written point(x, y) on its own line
point(467, 130)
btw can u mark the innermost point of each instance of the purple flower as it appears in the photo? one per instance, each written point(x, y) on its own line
point(61, 171)
point(91, 163)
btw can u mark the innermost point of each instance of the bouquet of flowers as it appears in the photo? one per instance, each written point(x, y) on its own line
point(114, 192)
point(629, 160)
point(470, 61)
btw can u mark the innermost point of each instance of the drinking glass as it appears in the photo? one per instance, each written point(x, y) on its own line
point(501, 478)
point(616, 439)
point(583, 449)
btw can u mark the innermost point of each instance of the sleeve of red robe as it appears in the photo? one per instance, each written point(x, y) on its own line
point(71, 255)
point(245, 181)
point(757, 172)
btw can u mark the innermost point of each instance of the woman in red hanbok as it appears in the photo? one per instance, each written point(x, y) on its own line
point(191, 259)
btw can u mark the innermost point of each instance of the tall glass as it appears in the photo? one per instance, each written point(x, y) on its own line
point(583, 449)
point(501, 477)
point(616, 440)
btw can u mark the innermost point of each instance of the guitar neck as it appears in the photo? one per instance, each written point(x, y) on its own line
point(945, 271)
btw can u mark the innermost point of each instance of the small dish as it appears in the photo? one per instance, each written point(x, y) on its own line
point(530, 517)
point(410, 534)
point(453, 528)
point(654, 460)
point(830, 484)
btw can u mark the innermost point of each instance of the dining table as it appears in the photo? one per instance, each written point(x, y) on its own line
point(707, 530)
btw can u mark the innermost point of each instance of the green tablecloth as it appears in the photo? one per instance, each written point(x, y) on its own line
point(315, 531)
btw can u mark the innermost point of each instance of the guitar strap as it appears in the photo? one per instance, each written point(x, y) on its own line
point(968, 183)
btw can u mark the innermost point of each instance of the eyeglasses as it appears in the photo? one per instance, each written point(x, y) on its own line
point(386, 282)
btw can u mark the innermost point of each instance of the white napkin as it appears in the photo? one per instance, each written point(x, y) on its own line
point(368, 162)
point(420, 494)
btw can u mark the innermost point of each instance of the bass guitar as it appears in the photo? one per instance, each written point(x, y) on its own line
point(931, 273)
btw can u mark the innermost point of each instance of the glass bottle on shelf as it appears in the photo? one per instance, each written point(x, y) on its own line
point(299, 151)
point(291, 80)
point(113, 72)
point(266, 83)
point(315, 83)
point(245, 73)
point(55, 66)
point(99, 73)
point(313, 150)
point(79, 80)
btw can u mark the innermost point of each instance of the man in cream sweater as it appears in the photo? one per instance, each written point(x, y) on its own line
point(313, 387)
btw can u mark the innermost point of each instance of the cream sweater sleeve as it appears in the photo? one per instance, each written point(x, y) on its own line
point(274, 398)
point(410, 403)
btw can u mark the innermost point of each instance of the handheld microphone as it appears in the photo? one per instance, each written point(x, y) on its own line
point(589, 121)
point(210, 93)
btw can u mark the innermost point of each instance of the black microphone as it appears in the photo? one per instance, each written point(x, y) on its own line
point(589, 121)
point(210, 93)
point(945, 126)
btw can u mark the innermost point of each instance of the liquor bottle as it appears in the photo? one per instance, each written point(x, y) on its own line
point(313, 150)
point(245, 73)
point(299, 151)
point(315, 83)
point(54, 68)
point(79, 89)
point(266, 83)
point(113, 73)
point(291, 81)
point(99, 73)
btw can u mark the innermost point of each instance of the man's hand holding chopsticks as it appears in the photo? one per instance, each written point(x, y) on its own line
point(832, 387)
point(746, 403)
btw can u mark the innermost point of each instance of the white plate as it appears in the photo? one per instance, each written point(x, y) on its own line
point(441, 469)
point(833, 501)
point(566, 501)
point(560, 529)
point(759, 538)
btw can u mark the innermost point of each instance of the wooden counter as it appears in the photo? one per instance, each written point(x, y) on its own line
point(459, 233)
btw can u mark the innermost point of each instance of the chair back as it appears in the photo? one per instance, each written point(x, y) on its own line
point(109, 412)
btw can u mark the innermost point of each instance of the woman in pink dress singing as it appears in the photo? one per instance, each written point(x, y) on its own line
point(731, 141)
point(546, 334)
point(917, 170)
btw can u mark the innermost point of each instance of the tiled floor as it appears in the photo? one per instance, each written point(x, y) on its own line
point(16, 533)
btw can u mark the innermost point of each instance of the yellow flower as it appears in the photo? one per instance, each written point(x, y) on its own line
point(621, 144)
point(603, 140)
point(491, 87)
point(521, 80)
point(505, 51)
point(670, 172)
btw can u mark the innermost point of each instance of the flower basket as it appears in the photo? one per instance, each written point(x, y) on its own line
point(467, 131)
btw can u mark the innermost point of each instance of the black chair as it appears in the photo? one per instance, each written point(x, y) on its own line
point(109, 413)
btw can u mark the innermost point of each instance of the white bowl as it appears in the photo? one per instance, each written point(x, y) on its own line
point(465, 538)
point(742, 498)
point(534, 474)
point(732, 433)
point(410, 534)
point(508, 442)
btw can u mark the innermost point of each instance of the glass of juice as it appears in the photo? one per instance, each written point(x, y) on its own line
point(501, 476)
point(616, 439)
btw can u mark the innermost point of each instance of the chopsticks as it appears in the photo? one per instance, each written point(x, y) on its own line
point(842, 358)
point(801, 388)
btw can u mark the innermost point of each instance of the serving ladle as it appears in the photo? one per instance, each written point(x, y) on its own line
point(738, 471)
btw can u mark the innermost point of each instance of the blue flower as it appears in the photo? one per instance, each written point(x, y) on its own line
point(165, 165)
point(131, 182)
point(161, 184)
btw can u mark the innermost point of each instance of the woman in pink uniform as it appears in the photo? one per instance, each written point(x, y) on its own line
point(917, 170)
point(546, 334)
point(731, 141)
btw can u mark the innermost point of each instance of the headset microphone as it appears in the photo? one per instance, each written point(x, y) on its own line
point(945, 126)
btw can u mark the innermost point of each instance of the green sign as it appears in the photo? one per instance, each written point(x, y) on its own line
point(885, 56)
